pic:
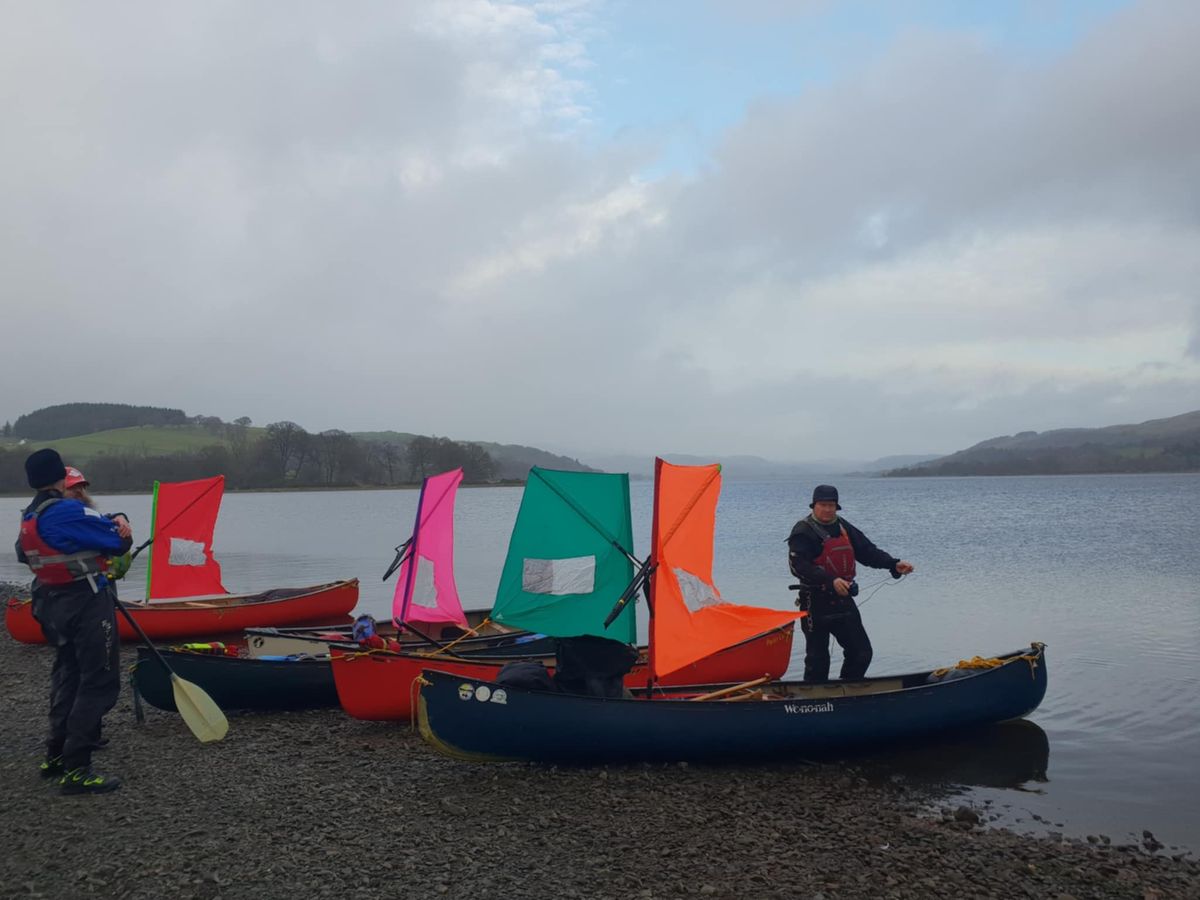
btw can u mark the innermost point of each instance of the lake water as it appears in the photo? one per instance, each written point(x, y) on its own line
point(1103, 569)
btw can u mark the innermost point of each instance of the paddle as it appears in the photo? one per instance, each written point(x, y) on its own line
point(401, 555)
point(198, 710)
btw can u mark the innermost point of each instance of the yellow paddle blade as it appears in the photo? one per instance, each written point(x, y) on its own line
point(203, 716)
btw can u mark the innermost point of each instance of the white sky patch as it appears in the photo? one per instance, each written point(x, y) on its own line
point(576, 229)
point(567, 53)
point(417, 171)
point(476, 19)
point(1071, 302)
point(530, 46)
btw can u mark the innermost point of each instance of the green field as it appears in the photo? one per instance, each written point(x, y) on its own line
point(150, 440)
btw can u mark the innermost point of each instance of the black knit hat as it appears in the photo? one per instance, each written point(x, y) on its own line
point(824, 492)
point(44, 467)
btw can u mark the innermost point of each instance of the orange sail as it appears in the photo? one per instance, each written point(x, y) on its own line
point(690, 620)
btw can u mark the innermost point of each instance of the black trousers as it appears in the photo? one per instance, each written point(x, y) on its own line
point(846, 626)
point(86, 678)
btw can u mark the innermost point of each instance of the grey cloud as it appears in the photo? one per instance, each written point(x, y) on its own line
point(276, 215)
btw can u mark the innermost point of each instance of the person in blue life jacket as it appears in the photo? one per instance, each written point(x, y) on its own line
point(67, 546)
point(823, 552)
point(75, 487)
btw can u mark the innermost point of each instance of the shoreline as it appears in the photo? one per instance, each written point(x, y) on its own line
point(344, 808)
point(299, 489)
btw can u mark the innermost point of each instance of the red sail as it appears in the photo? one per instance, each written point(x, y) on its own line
point(181, 559)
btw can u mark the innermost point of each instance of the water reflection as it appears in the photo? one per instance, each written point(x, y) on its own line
point(1006, 755)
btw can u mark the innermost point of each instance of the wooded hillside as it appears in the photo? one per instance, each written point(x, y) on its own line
point(1158, 445)
point(283, 454)
point(67, 419)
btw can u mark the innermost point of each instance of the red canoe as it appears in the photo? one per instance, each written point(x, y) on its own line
point(213, 616)
point(380, 686)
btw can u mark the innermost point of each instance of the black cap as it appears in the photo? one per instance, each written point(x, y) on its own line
point(44, 467)
point(824, 492)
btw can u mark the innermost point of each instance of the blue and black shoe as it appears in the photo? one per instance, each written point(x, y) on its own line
point(84, 781)
point(51, 767)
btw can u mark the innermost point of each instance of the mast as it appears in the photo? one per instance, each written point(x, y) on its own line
point(652, 561)
point(414, 559)
point(153, 527)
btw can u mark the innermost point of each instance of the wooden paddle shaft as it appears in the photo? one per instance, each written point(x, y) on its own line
point(733, 689)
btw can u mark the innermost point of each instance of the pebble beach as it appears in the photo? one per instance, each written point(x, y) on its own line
point(317, 804)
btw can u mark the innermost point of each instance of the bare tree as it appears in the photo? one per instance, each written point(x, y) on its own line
point(419, 456)
point(289, 446)
point(336, 453)
point(390, 456)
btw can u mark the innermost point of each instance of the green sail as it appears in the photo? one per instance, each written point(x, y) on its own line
point(565, 567)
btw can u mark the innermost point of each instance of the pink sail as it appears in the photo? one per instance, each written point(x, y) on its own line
point(425, 588)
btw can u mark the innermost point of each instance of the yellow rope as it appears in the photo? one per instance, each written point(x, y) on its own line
point(978, 662)
point(413, 690)
point(371, 651)
point(440, 651)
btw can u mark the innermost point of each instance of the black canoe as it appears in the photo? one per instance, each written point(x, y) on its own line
point(485, 721)
point(296, 681)
point(238, 682)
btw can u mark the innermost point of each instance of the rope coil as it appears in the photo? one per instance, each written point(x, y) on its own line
point(979, 662)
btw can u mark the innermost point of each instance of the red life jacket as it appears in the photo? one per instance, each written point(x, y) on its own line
point(837, 556)
point(53, 567)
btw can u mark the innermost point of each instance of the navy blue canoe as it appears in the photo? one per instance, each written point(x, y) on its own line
point(478, 720)
point(238, 683)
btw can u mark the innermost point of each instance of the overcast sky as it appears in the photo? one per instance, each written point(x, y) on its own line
point(795, 229)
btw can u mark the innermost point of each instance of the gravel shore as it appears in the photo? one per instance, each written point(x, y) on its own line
point(320, 805)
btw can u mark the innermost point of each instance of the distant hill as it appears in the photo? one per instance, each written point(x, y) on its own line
point(740, 467)
point(513, 461)
point(887, 463)
point(1159, 445)
point(68, 419)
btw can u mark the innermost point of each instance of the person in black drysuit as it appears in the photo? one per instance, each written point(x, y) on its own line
point(67, 545)
point(823, 550)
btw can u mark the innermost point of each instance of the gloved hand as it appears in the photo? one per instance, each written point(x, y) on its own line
point(118, 566)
